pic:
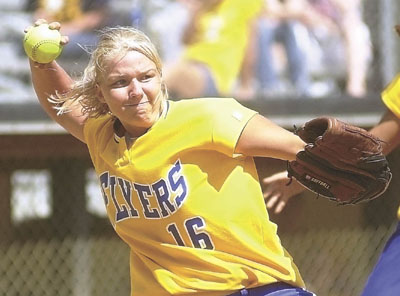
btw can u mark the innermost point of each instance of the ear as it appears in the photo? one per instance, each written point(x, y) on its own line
point(99, 93)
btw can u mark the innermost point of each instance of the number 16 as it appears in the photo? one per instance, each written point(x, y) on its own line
point(200, 239)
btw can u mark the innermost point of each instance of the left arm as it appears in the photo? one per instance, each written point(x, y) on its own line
point(261, 137)
point(388, 130)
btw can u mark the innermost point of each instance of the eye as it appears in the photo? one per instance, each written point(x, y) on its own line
point(147, 77)
point(119, 83)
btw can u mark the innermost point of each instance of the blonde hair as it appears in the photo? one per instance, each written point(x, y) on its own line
point(113, 42)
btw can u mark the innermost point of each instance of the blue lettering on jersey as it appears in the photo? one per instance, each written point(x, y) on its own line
point(160, 188)
point(122, 211)
point(126, 192)
point(177, 183)
point(104, 178)
point(158, 200)
point(144, 191)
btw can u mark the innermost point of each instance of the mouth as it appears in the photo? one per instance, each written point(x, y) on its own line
point(134, 105)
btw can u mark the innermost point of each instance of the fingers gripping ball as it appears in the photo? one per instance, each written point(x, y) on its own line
point(42, 44)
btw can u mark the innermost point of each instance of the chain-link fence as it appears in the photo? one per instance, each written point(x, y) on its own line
point(334, 246)
point(55, 238)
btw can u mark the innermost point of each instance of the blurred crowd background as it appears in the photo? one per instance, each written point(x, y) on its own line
point(292, 60)
point(254, 49)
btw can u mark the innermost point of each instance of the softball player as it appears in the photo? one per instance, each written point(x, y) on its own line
point(178, 178)
point(385, 278)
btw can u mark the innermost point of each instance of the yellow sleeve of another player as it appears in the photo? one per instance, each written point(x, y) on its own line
point(391, 96)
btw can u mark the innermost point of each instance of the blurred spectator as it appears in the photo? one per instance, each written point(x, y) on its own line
point(215, 39)
point(277, 63)
point(80, 20)
point(357, 44)
point(339, 29)
point(244, 89)
point(166, 25)
point(282, 22)
point(324, 42)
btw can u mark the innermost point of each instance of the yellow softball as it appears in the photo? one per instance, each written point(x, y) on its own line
point(42, 44)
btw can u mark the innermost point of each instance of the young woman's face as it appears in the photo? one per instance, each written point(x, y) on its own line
point(131, 88)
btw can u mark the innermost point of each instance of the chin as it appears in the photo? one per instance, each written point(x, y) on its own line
point(146, 122)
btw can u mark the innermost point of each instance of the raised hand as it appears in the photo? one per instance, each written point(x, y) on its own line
point(278, 191)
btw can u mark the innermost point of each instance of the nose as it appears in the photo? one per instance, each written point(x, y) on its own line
point(135, 89)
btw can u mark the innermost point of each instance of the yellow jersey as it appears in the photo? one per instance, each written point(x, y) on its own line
point(191, 211)
point(391, 98)
point(222, 39)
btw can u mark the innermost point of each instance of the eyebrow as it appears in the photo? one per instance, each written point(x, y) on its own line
point(139, 72)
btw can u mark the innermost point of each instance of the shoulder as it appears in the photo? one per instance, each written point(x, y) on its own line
point(94, 127)
point(99, 121)
point(198, 111)
point(204, 105)
point(220, 111)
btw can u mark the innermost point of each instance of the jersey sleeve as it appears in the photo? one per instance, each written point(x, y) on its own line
point(97, 132)
point(391, 96)
point(229, 124)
